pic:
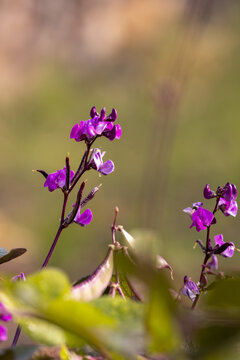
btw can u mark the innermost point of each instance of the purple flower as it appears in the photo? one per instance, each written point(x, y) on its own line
point(190, 289)
point(3, 333)
point(213, 264)
point(4, 314)
point(227, 202)
point(230, 249)
point(19, 277)
point(98, 125)
point(96, 162)
point(208, 193)
point(201, 218)
point(57, 179)
point(83, 219)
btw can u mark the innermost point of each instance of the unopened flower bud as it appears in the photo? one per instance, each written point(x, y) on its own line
point(208, 193)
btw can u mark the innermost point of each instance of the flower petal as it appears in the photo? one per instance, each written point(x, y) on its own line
point(85, 218)
point(107, 168)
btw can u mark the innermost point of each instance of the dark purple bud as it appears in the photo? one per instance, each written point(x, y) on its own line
point(90, 196)
point(214, 221)
point(103, 114)
point(234, 192)
point(93, 112)
point(223, 248)
point(112, 116)
point(44, 173)
point(228, 192)
point(199, 242)
point(111, 134)
point(208, 193)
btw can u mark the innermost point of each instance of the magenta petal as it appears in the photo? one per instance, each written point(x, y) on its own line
point(234, 192)
point(219, 241)
point(85, 218)
point(229, 251)
point(207, 217)
point(99, 128)
point(107, 168)
point(232, 209)
point(74, 131)
point(3, 333)
point(118, 131)
point(213, 264)
point(4, 314)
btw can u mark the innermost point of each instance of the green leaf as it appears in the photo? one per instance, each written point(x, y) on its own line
point(12, 254)
point(161, 323)
point(41, 288)
point(95, 284)
point(225, 296)
point(47, 333)
point(127, 337)
point(109, 325)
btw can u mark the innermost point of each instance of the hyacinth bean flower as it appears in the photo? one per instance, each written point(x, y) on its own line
point(4, 316)
point(201, 218)
point(83, 219)
point(219, 242)
point(57, 179)
point(96, 162)
point(227, 202)
point(97, 125)
point(190, 289)
point(20, 277)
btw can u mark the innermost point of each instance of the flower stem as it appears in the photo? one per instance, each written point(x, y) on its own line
point(60, 229)
point(68, 188)
point(207, 255)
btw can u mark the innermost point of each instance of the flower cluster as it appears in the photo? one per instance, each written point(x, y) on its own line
point(88, 131)
point(203, 219)
point(97, 125)
point(4, 316)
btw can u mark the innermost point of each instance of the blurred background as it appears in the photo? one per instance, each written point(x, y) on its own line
point(171, 69)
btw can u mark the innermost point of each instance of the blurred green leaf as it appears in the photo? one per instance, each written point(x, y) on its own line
point(43, 306)
point(225, 296)
point(161, 323)
point(44, 332)
point(12, 254)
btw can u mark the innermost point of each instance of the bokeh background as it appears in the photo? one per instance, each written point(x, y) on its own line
point(171, 69)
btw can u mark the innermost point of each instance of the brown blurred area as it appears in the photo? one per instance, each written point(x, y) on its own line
point(74, 33)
